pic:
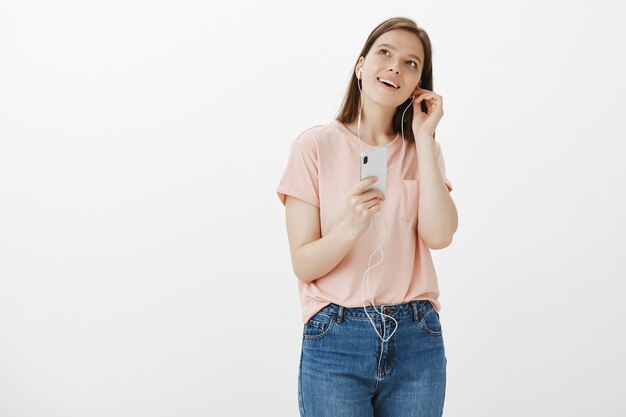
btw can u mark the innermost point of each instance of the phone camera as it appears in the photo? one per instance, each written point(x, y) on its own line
point(365, 160)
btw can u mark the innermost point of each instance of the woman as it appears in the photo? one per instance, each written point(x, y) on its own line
point(385, 358)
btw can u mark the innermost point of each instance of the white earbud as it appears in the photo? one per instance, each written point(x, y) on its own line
point(360, 73)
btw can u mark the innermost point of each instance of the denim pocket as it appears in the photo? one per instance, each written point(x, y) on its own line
point(431, 324)
point(318, 326)
point(408, 200)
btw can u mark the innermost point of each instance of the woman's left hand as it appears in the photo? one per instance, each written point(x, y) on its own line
point(424, 124)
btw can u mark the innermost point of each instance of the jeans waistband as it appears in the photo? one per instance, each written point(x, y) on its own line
point(415, 309)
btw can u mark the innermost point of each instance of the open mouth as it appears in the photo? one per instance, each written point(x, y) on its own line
point(388, 84)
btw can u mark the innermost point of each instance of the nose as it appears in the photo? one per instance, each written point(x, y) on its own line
point(394, 64)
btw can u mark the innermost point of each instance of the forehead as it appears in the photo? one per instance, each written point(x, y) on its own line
point(404, 42)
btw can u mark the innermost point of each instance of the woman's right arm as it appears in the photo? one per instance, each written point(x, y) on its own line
point(313, 256)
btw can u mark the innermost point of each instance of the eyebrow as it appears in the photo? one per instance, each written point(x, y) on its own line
point(391, 47)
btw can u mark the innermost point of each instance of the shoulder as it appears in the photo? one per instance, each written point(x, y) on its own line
point(316, 136)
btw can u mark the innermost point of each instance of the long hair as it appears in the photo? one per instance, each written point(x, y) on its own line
point(350, 107)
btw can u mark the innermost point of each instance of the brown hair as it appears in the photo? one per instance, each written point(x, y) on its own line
point(350, 107)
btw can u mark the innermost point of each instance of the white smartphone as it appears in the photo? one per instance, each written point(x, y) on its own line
point(374, 164)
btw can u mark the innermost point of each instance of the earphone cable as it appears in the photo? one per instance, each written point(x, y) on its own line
point(371, 299)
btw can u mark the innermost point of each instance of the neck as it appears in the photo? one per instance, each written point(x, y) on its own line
point(376, 123)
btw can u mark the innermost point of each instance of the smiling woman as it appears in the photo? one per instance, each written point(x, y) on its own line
point(383, 355)
point(412, 56)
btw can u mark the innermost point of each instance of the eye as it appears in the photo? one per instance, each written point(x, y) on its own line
point(414, 63)
point(383, 50)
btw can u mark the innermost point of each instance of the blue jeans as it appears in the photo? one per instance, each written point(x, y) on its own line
point(346, 370)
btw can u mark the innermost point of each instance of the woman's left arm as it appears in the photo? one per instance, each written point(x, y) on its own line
point(437, 218)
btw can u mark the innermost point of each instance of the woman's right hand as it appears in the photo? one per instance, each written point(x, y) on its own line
point(362, 206)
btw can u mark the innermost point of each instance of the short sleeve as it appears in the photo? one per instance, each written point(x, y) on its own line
point(442, 167)
point(300, 178)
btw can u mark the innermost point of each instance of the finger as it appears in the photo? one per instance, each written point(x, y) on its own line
point(425, 96)
point(360, 186)
point(417, 108)
point(373, 193)
point(369, 205)
point(420, 98)
point(370, 202)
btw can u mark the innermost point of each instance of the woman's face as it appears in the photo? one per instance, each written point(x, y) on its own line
point(396, 56)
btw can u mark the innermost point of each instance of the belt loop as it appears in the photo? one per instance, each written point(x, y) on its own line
point(416, 313)
point(339, 314)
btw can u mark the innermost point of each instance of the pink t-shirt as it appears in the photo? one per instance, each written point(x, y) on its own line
point(322, 168)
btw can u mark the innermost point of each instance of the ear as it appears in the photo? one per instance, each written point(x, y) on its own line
point(358, 66)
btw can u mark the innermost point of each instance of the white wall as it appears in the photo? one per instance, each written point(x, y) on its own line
point(144, 261)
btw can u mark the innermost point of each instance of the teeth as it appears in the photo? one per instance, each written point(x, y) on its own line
point(388, 82)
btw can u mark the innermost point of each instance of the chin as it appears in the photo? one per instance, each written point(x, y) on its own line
point(392, 103)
